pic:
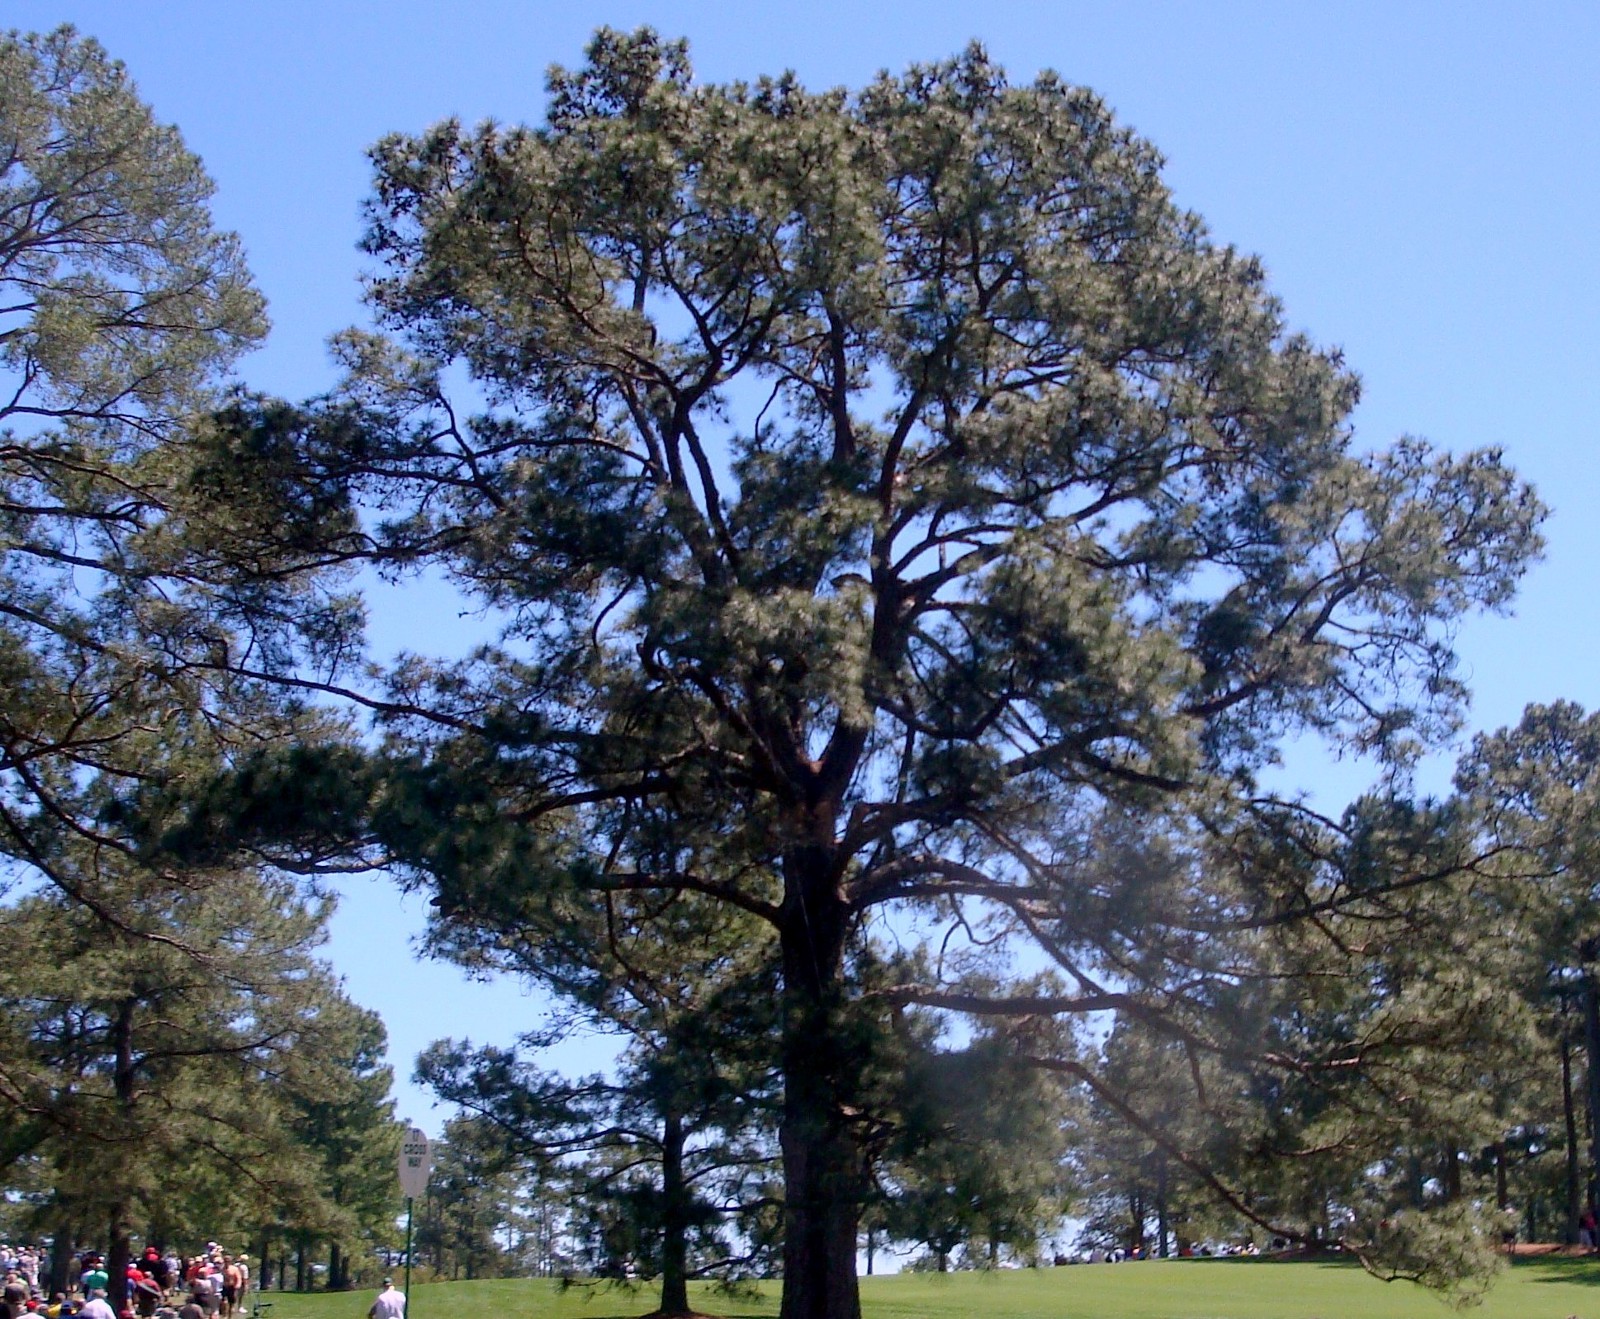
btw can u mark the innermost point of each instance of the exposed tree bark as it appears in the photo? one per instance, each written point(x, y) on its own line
point(119, 1250)
point(1416, 1183)
point(824, 1176)
point(64, 1245)
point(1450, 1174)
point(119, 1241)
point(1569, 1114)
point(1161, 1203)
point(675, 1225)
point(1591, 1042)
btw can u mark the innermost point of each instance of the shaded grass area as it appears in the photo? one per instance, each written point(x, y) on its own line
point(1155, 1289)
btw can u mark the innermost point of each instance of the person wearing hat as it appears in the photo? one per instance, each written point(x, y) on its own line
point(391, 1303)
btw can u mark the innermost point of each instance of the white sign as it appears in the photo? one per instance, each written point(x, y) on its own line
point(415, 1163)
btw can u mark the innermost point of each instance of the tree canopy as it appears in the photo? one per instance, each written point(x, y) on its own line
point(124, 662)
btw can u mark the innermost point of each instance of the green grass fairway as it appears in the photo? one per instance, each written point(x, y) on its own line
point(1175, 1289)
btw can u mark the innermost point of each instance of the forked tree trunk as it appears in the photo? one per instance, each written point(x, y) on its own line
point(824, 1176)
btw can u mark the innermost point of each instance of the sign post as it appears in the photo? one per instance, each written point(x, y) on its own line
point(416, 1162)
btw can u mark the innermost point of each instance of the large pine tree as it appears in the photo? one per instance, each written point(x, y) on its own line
point(874, 491)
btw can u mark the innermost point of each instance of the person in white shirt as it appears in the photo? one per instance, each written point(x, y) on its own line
point(97, 1307)
point(391, 1304)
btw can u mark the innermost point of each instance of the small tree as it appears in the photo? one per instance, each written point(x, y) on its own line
point(472, 1196)
point(675, 1148)
point(977, 1157)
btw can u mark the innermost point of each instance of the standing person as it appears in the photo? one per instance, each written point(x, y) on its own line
point(391, 1304)
point(97, 1307)
point(230, 1286)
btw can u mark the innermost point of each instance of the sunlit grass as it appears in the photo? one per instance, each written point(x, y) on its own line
point(1176, 1289)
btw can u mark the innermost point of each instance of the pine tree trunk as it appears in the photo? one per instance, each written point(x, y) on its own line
point(1161, 1204)
point(674, 1219)
point(823, 1166)
point(119, 1240)
point(64, 1245)
point(1416, 1183)
point(119, 1250)
point(1591, 1041)
point(1450, 1175)
point(1569, 1114)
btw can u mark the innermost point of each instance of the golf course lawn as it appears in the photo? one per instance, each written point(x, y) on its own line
point(1175, 1289)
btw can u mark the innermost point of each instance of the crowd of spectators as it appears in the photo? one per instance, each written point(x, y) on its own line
point(161, 1285)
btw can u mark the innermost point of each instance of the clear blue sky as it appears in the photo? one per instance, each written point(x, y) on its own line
point(1422, 180)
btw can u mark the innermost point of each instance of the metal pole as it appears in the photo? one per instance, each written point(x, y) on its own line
point(408, 1257)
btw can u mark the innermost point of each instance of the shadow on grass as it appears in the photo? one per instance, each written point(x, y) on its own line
point(1579, 1271)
